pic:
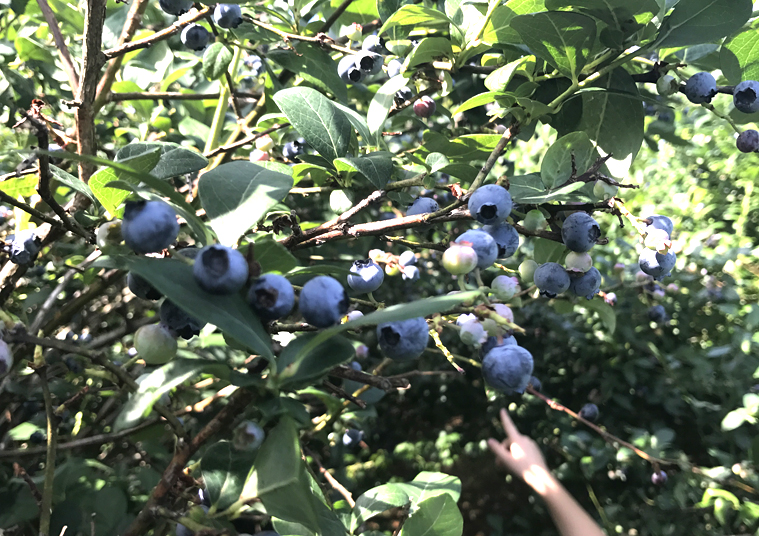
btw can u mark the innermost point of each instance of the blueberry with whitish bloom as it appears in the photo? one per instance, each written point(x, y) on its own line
point(352, 438)
point(149, 226)
point(748, 141)
point(403, 340)
point(746, 96)
point(176, 7)
point(369, 62)
point(178, 321)
point(473, 333)
point(490, 204)
point(422, 205)
point(140, 287)
point(494, 341)
point(195, 37)
point(394, 67)
point(580, 232)
point(25, 246)
point(349, 71)
point(551, 279)
point(507, 368)
point(506, 238)
point(402, 96)
point(483, 244)
point(365, 276)
point(660, 222)
point(271, 296)
point(323, 301)
point(586, 285)
point(407, 258)
point(227, 15)
point(373, 43)
point(657, 265)
point(410, 273)
point(248, 436)
point(700, 88)
point(589, 412)
point(220, 270)
point(657, 314)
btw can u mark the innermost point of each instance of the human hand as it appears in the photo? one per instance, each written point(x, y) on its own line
point(522, 456)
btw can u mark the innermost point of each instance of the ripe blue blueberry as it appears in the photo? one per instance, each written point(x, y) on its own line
point(535, 383)
point(659, 478)
point(586, 285)
point(323, 301)
point(293, 149)
point(410, 273)
point(369, 62)
point(402, 96)
point(483, 244)
point(403, 340)
point(657, 314)
point(494, 342)
point(227, 15)
point(425, 107)
point(25, 246)
point(589, 412)
point(748, 141)
point(175, 7)
point(220, 269)
point(37, 438)
point(373, 43)
point(352, 438)
point(248, 436)
point(422, 205)
point(149, 226)
point(507, 368)
point(580, 232)
point(141, 288)
point(746, 96)
point(271, 296)
point(552, 279)
point(349, 71)
point(394, 67)
point(6, 358)
point(178, 321)
point(490, 204)
point(660, 222)
point(700, 88)
point(506, 238)
point(655, 264)
point(407, 258)
point(366, 276)
point(195, 37)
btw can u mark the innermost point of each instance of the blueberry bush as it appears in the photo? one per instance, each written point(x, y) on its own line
point(274, 267)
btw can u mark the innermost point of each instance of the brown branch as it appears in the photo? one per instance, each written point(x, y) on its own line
point(60, 44)
point(320, 39)
point(52, 439)
point(158, 36)
point(333, 481)
point(9, 200)
point(390, 383)
point(335, 15)
point(133, 21)
point(172, 95)
point(342, 393)
point(245, 141)
point(412, 244)
point(19, 471)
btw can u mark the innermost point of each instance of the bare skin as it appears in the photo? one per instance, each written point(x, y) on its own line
point(522, 456)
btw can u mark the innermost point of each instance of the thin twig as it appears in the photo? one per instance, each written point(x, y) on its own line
point(335, 15)
point(342, 393)
point(52, 438)
point(60, 44)
point(19, 471)
point(173, 95)
point(245, 141)
point(385, 383)
point(333, 481)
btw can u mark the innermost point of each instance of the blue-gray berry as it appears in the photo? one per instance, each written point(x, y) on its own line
point(422, 205)
point(552, 279)
point(227, 15)
point(586, 285)
point(748, 141)
point(175, 7)
point(506, 238)
point(657, 314)
point(349, 71)
point(660, 222)
point(271, 296)
point(352, 437)
point(655, 264)
point(323, 301)
point(403, 340)
point(490, 204)
point(483, 244)
point(25, 246)
point(407, 258)
point(700, 88)
point(373, 43)
point(493, 342)
point(589, 412)
point(366, 276)
point(149, 226)
point(195, 37)
point(394, 67)
point(369, 62)
point(746, 96)
point(178, 321)
point(507, 368)
point(220, 269)
point(141, 288)
point(580, 232)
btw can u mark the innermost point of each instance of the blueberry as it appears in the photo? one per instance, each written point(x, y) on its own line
point(227, 15)
point(352, 438)
point(37, 438)
point(580, 232)
point(141, 288)
point(407, 258)
point(175, 7)
point(527, 270)
point(149, 226)
point(355, 365)
point(748, 141)
point(425, 107)
point(410, 273)
point(155, 344)
point(248, 436)
point(369, 62)
point(190, 252)
point(506, 238)
point(220, 270)
point(655, 264)
point(657, 314)
point(178, 321)
point(348, 71)
point(195, 37)
point(293, 149)
point(490, 204)
point(353, 315)
point(25, 246)
point(660, 222)
point(586, 285)
point(323, 301)
point(507, 368)
point(459, 259)
point(403, 340)
point(493, 342)
point(366, 276)
point(183, 531)
point(422, 205)
point(463, 318)
point(659, 478)
point(402, 96)
point(394, 67)
point(483, 244)
point(271, 296)
point(746, 96)
point(373, 43)
point(667, 85)
point(578, 263)
point(535, 383)
point(700, 88)
point(589, 412)
point(504, 287)
point(552, 279)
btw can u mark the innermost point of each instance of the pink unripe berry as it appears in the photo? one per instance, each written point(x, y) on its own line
point(425, 107)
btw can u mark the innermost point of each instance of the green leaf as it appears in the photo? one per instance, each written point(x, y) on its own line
point(428, 484)
point(556, 167)
point(358, 122)
point(324, 127)
point(500, 78)
point(381, 103)
point(734, 419)
point(236, 195)
point(231, 313)
point(225, 470)
point(174, 159)
point(386, 8)
point(273, 256)
point(67, 179)
point(216, 60)
point(111, 198)
point(463, 149)
point(428, 49)
point(605, 313)
point(476, 101)
point(377, 167)
point(618, 14)
point(562, 38)
point(415, 15)
point(21, 186)
point(739, 57)
point(436, 516)
point(375, 501)
point(155, 385)
point(499, 30)
point(30, 50)
point(279, 479)
point(548, 251)
point(613, 118)
point(314, 65)
point(529, 189)
point(293, 372)
point(693, 22)
point(436, 161)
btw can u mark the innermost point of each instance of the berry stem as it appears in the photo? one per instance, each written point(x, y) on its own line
point(635, 222)
point(446, 352)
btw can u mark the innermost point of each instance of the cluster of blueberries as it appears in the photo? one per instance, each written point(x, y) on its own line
point(701, 89)
point(195, 36)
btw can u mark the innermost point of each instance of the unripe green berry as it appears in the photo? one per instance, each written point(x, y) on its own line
point(155, 344)
point(459, 259)
point(603, 190)
point(108, 234)
point(578, 262)
point(535, 221)
point(527, 270)
point(667, 85)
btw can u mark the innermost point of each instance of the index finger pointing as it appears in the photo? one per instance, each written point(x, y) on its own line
point(508, 425)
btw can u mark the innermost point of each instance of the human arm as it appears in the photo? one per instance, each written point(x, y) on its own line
point(522, 456)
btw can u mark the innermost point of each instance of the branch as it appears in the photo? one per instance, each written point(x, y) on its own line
point(333, 18)
point(172, 95)
point(320, 38)
point(60, 44)
point(388, 384)
point(158, 36)
point(342, 393)
point(331, 479)
point(52, 438)
point(245, 141)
